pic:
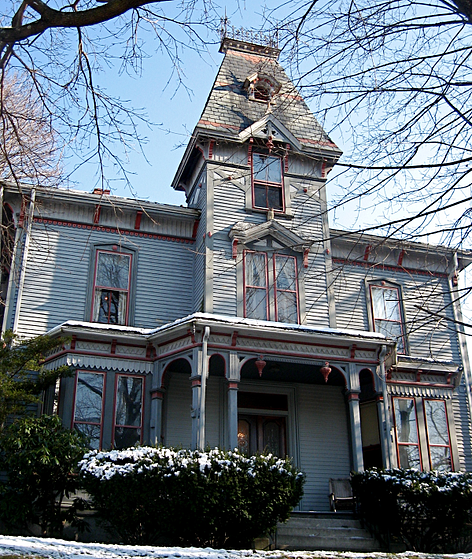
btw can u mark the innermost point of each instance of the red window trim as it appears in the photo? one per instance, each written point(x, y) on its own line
point(397, 443)
point(107, 287)
point(267, 184)
point(74, 403)
point(448, 431)
point(140, 427)
point(246, 285)
point(400, 313)
point(276, 289)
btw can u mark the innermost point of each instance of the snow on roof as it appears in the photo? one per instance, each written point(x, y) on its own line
point(220, 320)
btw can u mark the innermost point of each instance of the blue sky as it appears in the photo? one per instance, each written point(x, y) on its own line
point(173, 106)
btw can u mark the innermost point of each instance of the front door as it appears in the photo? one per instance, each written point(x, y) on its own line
point(262, 433)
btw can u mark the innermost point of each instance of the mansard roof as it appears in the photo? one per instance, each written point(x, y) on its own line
point(229, 109)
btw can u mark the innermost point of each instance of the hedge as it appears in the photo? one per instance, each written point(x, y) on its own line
point(426, 511)
point(217, 498)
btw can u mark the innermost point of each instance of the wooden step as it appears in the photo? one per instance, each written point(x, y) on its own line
point(325, 531)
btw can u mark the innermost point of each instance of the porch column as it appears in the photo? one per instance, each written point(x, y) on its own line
point(384, 434)
point(233, 385)
point(195, 411)
point(356, 434)
point(156, 417)
point(233, 414)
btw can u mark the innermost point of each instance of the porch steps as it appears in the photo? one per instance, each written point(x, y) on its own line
point(331, 531)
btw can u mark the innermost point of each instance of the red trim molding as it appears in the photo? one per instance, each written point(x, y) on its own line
point(77, 225)
point(344, 261)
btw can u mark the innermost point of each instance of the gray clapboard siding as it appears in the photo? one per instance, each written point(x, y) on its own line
point(224, 278)
point(164, 282)
point(324, 445)
point(178, 423)
point(229, 204)
point(462, 421)
point(57, 278)
point(307, 221)
point(428, 336)
point(199, 256)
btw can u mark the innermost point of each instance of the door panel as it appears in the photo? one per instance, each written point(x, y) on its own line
point(259, 433)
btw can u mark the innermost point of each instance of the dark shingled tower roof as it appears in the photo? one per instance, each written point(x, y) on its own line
point(229, 111)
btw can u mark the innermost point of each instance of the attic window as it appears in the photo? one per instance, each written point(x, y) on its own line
point(261, 87)
point(262, 91)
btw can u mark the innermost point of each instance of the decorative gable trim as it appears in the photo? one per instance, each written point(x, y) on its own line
point(243, 232)
point(268, 121)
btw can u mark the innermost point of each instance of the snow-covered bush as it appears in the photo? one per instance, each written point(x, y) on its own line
point(426, 511)
point(181, 497)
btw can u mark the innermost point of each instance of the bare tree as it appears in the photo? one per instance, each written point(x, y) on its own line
point(57, 49)
point(392, 79)
point(28, 148)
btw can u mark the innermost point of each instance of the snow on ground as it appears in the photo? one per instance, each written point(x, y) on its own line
point(61, 549)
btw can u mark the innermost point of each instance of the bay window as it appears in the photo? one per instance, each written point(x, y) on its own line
point(406, 430)
point(122, 424)
point(422, 430)
point(111, 288)
point(88, 406)
point(267, 182)
point(128, 411)
point(437, 434)
point(270, 287)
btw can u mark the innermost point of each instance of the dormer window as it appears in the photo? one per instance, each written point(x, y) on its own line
point(261, 87)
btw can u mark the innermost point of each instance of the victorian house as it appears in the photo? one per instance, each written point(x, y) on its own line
point(243, 320)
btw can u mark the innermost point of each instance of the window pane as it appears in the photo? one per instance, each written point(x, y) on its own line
point(436, 422)
point(91, 432)
point(113, 270)
point(111, 306)
point(391, 330)
point(260, 196)
point(266, 168)
point(409, 456)
point(275, 198)
point(285, 273)
point(256, 269)
point(244, 433)
point(440, 458)
point(386, 303)
point(88, 399)
point(126, 437)
point(287, 307)
point(271, 438)
point(405, 420)
point(256, 303)
point(128, 401)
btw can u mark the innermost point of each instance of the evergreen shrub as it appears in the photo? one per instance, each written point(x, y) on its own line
point(39, 457)
point(429, 512)
point(217, 498)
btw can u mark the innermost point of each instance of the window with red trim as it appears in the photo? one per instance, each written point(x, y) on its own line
point(111, 289)
point(267, 182)
point(127, 430)
point(88, 406)
point(406, 431)
point(387, 314)
point(256, 291)
point(270, 287)
point(437, 430)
